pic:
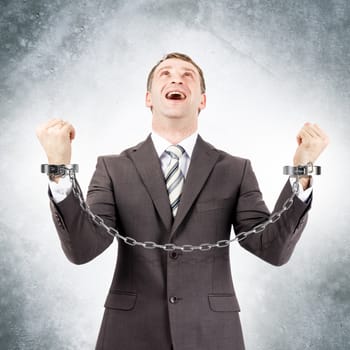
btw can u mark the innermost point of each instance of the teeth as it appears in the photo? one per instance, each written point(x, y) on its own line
point(177, 95)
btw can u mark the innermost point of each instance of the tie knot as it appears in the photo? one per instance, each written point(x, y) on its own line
point(175, 151)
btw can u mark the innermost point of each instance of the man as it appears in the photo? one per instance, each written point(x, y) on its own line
point(189, 195)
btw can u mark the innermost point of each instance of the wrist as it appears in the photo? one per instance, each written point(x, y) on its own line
point(58, 161)
point(303, 173)
point(56, 171)
point(302, 170)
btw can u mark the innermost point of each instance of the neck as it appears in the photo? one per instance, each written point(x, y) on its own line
point(174, 130)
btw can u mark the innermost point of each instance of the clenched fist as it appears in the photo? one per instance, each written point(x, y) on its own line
point(312, 140)
point(56, 136)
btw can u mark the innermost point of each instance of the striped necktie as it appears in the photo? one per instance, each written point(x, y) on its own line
point(174, 178)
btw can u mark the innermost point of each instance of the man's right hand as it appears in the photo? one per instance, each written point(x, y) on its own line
point(56, 136)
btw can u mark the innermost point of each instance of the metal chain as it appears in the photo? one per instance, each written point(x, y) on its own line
point(186, 247)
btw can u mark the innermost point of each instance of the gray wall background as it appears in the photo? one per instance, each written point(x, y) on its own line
point(270, 66)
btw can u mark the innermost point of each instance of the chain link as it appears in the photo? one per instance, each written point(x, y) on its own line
point(186, 247)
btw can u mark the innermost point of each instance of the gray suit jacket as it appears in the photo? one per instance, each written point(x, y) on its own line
point(160, 298)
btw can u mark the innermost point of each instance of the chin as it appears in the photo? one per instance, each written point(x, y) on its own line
point(174, 116)
point(178, 114)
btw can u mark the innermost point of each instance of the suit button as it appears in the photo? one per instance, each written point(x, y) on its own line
point(173, 300)
point(174, 255)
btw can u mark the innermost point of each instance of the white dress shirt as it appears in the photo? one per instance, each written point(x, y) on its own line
point(162, 144)
point(62, 189)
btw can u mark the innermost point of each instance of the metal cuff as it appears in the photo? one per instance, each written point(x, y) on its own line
point(54, 170)
point(302, 170)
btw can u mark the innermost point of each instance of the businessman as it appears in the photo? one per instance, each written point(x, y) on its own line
point(174, 188)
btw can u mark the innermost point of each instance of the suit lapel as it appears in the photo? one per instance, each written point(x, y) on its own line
point(204, 157)
point(146, 161)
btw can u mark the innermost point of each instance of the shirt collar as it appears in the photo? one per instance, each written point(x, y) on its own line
point(161, 144)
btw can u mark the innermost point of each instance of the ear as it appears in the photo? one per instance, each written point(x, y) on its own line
point(148, 100)
point(203, 102)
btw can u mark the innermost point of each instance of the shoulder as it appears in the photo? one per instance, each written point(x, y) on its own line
point(125, 152)
point(122, 157)
point(227, 157)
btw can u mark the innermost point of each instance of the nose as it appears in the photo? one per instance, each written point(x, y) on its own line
point(176, 79)
point(176, 82)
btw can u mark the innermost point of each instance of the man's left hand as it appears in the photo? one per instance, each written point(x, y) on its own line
point(312, 140)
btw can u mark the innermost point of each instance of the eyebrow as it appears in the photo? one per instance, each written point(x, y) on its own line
point(184, 68)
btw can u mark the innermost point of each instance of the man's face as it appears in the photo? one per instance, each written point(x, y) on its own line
point(175, 91)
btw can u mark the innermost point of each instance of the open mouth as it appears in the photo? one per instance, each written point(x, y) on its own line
point(175, 95)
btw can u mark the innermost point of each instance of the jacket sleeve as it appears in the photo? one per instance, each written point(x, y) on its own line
point(81, 238)
point(276, 243)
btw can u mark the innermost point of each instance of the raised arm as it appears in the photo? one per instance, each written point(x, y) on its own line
point(276, 243)
point(81, 239)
